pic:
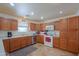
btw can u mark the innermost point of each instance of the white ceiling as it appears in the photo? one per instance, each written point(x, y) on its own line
point(47, 10)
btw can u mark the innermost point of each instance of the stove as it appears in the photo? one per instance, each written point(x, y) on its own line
point(48, 40)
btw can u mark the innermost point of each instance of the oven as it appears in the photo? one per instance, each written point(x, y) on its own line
point(48, 40)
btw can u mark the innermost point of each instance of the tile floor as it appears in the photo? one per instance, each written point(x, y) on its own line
point(47, 51)
point(40, 50)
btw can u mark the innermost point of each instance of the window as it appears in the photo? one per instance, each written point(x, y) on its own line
point(23, 27)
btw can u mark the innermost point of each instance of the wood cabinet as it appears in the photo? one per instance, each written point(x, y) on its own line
point(4, 24)
point(42, 27)
point(78, 40)
point(6, 45)
point(73, 23)
point(32, 26)
point(23, 41)
point(56, 42)
point(63, 40)
point(72, 44)
point(14, 24)
point(61, 25)
point(13, 44)
point(57, 25)
point(8, 24)
point(40, 39)
point(69, 34)
point(29, 40)
point(72, 34)
point(38, 27)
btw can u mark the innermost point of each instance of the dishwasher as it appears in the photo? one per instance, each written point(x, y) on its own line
point(34, 38)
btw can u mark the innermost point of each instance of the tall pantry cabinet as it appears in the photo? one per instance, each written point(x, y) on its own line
point(72, 34)
point(69, 34)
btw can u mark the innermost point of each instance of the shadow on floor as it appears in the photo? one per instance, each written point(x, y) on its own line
point(24, 51)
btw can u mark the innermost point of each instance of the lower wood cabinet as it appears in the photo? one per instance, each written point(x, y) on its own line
point(56, 42)
point(6, 45)
point(13, 44)
point(28, 40)
point(63, 40)
point(68, 41)
point(73, 41)
point(40, 39)
point(63, 44)
point(72, 46)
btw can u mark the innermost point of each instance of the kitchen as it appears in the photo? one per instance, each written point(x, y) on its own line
point(39, 29)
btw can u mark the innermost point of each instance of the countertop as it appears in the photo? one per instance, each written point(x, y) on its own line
point(16, 36)
point(3, 38)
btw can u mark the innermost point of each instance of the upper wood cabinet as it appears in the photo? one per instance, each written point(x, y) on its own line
point(73, 23)
point(8, 24)
point(37, 27)
point(14, 24)
point(61, 25)
point(32, 26)
point(4, 24)
point(42, 27)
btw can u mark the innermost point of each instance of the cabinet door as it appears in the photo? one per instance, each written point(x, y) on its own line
point(57, 25)
point(73, 23)
point(23, 41)
point(38, 38)
point(78, 39)
point(14, 44)
point(56, 42)
point(72, 41)
point(14, 24)
point(29, 40)
point(38, 27)
point(5, 24)
point(42, 27)
point(32, 26)
point(42, 39)
point(63, 40)
point(6, 45)
point(61, 25)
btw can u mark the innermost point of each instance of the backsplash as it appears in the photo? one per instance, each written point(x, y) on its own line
point(15, 33)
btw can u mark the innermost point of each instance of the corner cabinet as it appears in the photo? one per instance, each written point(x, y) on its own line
point(8, 24)
point(40, 39)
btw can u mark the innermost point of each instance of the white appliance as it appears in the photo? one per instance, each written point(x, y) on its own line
point(48, 40)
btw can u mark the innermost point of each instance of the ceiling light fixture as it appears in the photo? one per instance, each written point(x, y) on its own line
point(12, 4)
point(42, 17)
point(61, 12)
point(32, 13)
